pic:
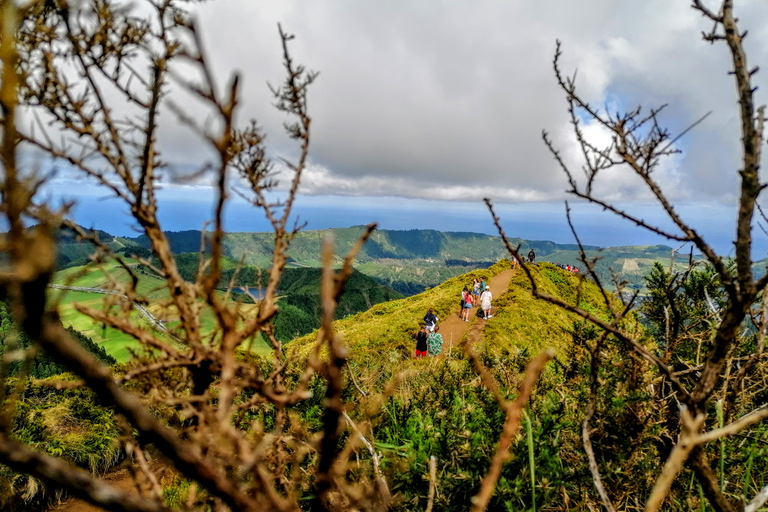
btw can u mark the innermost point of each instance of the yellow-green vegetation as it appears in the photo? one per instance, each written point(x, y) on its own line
point(384, 332)
point(439, 407)
point(526, 324)
point(521, 323)
point(65, 423)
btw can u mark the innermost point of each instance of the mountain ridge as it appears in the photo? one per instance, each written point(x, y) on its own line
point(408, 261)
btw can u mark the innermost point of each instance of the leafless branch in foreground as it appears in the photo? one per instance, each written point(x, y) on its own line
point(639, 143)
point(206, 383)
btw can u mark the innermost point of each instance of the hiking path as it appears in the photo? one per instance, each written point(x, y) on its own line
point(453, 327)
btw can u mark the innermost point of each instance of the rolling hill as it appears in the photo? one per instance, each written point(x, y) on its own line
point(407, 261)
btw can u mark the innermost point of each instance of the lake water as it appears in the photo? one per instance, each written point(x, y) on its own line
point(256, 292)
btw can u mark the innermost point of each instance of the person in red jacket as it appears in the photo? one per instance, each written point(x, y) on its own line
point(421, 342)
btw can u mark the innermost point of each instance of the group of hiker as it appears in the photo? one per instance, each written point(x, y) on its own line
point(570, 268)
point(519, 259)
point(429, 341)
point(480, 295)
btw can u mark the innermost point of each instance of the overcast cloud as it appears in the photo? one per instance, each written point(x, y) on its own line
point(451, 97)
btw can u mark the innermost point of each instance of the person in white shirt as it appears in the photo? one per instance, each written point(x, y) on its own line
point(485, 302)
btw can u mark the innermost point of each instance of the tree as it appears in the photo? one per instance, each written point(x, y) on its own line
point(87, 84)
point(77, 72)
point(709, 308)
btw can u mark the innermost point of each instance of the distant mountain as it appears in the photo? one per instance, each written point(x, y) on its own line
point(73, 252)
point(384, 244)
point(406, 261)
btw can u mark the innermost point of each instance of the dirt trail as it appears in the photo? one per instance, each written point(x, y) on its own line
point(120, 479)
point(453, 327)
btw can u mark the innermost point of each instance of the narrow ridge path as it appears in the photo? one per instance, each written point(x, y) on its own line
point(453, 327)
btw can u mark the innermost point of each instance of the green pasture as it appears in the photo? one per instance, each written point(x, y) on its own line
point(119, 345)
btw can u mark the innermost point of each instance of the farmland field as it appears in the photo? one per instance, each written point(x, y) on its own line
point(119, 345)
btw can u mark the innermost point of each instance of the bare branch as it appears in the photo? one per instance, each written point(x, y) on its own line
point(52, 469)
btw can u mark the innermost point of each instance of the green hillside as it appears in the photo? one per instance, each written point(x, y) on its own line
point(439, 407)
point(118, 344)
point(73, 251)
point(411, 261)
point(407, 261)
point(299, 302)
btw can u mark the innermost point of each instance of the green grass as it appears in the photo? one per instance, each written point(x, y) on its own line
point(117, 344)
point(522, 324)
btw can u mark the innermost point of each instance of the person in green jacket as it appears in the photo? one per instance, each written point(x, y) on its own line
point(435, 342)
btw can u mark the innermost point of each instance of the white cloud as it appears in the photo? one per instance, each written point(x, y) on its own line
point(449, 99)
point(319, 180)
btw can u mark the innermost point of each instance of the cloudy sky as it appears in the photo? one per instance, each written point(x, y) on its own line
point(451, 97)
point(446, 101)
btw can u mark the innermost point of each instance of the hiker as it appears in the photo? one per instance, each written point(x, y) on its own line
point(475, 288)
point(464, 294)
point(483, 285)
point(435, 342)
point(531, 256)
point(430, 320)
point(467, 307)
point(421, 342)
point(485, 303)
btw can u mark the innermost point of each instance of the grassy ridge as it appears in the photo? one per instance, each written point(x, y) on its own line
point(522, 323)
point(525, 324)
point(384, 332)
point(438, 407)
